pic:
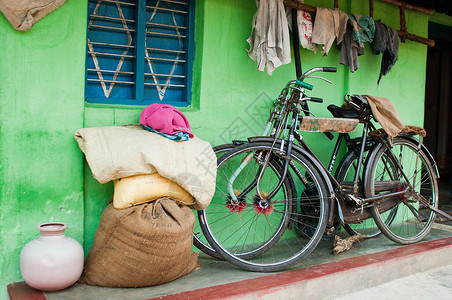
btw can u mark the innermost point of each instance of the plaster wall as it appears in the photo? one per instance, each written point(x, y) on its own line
point(43, 176)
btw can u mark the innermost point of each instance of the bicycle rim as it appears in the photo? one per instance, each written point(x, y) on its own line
point(412, 220)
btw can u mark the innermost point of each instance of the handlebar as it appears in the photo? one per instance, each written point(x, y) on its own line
point(318, 69)
point(308, 86)
point(315, 99)
point(330, 69)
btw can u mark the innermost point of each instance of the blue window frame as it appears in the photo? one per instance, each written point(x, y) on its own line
point(140, 52)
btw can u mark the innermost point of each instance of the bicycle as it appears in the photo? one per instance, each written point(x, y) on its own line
point(263, 239)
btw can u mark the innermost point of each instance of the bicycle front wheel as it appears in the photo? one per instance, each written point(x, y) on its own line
point(403, 166)
point(257, 233)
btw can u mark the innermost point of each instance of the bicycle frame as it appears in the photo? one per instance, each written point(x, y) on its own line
point(293, 99)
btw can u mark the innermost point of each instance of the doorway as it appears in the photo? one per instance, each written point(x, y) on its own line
point(438, 106)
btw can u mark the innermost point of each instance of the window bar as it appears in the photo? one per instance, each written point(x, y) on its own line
point(93, 16)
point(163, 75)
point(165, 34)
point(164, 84)
point(118, 2)
point(111, 54)
point(110, 71)
point(165, 25)
point(165, 59)
point(165, 50)
point(111, 81)
point(139, 50)
point(111, 45)
point(167, 9)
point(175, 2)
point(110, 28)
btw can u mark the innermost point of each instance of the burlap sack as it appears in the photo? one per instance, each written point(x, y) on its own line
point(141, 246)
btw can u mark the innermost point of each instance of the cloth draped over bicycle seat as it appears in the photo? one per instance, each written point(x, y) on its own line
point(114, 152)
point(386, 114)
point(270, 39)
point(329, 24)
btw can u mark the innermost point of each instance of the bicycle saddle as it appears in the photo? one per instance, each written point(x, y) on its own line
point(340, 112)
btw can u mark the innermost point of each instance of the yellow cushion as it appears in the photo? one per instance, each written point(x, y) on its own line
point(140, 189)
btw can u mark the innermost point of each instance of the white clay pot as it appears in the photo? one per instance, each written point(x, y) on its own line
point(53, 261)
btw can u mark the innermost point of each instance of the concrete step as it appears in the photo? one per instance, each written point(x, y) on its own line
point(321, 276)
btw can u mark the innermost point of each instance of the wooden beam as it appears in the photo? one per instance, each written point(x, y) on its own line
point(424, 10)
point(312, 9)
point(300, 6)
point(417, 38)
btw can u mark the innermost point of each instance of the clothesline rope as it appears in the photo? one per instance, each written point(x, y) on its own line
point(402, 33)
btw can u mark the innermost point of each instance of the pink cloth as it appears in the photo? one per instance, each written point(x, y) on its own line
point(165, 118)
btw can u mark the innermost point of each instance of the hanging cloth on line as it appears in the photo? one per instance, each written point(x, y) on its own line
point(350, 50)
point(386, 41)
point(329, 25)
point(363, 28)
point(304, 21)
point(269, 40)
point(359, 30)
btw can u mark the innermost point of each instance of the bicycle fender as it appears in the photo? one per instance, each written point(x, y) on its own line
point(425, 150)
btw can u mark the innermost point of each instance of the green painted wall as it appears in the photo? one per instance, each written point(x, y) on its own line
point(41, 106)
point(43, 176)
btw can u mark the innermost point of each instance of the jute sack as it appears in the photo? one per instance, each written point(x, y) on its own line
point(140, 246)
point(139, 189)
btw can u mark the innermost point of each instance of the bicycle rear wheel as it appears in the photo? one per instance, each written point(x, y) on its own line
point(259, 236)
point(412, 220)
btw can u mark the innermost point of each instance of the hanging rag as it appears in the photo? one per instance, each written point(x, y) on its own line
point(269, 41)
point(363, 28)
point(329, 25)
point(386, 114)
point(23, 14)
point(304, 21)
point(386, 41)
point(350, 50)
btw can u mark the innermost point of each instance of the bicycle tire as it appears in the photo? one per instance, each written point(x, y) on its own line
point(276, 249)
point(346, 173)
point(199, 239)
point(412, 220)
